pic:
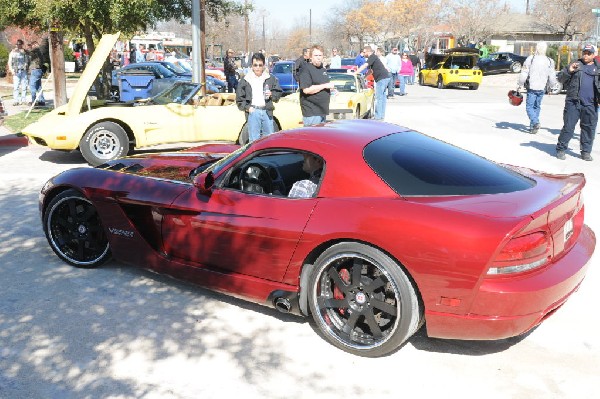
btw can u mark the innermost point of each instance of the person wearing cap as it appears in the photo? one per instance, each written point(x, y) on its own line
point(582, 82)
point(537, 70)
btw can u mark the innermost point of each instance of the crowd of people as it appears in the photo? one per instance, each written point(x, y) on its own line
point(26, 65)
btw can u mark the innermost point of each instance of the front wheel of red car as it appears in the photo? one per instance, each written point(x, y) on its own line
point(362, 301)
point(74, 230)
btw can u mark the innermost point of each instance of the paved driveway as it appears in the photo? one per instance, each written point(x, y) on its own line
point(122, 332)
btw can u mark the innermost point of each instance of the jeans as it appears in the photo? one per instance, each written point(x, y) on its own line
point(313, 120)
point(20, 82)
point(231, 83)
point(260, 124)
point(35, 85)
point(533, 105)
point(587, 115)
point(392, 84)
point(403, 80)
point(380, 98)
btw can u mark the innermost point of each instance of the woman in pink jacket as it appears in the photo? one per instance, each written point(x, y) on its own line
point(406, 71)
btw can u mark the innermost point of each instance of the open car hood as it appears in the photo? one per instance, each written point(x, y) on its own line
point(91, 72)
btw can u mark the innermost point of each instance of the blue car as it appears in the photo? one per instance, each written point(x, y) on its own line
point(163, 74)
point(283, 70)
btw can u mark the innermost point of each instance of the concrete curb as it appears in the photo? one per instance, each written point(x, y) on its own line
point(8, 139)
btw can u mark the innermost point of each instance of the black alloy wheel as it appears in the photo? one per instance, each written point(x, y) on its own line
point(74, 230)
point(362, 301)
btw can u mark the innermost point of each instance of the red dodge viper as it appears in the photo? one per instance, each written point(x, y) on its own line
point(401, 230)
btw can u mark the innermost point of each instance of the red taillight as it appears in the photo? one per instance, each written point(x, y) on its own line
point(522, 253)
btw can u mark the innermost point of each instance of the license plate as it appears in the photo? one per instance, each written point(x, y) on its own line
point(568, 229)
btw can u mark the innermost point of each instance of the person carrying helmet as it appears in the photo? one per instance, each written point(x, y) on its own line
point(537, 70)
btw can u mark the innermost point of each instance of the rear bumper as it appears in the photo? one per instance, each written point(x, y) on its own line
point(335, 114)
point(506, 308)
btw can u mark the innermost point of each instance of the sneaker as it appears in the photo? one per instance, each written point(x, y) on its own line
point(534, 129)
point(586, 156)
point(561, 155)
point(15, 103)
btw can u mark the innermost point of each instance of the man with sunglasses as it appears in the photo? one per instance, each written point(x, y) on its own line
point(255, 95)
point(582, 81)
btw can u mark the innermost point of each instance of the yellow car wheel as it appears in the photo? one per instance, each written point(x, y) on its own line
point(440, 83)
point(104, 142)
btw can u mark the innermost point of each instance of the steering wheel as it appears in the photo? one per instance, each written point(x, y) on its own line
point(255, 178)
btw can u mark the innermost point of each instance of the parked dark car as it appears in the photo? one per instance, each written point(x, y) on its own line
point(501, 62)
point(282, 70)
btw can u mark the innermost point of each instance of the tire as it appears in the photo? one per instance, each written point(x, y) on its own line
point(115, 94)
point(440, 83)
point(357, 113)
point(244, 136)
point(474, 86)
point(371, 112)
point(74, 230)
point(421, 80)
point(104, 142)
point(515, 67)
point(369, 315)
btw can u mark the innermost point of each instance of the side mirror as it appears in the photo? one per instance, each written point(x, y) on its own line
point(204, 182)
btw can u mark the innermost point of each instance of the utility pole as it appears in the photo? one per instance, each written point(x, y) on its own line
point(198, 8)
point(310, 26)
point(246, 28)
point(264, 41)
point(527, 7)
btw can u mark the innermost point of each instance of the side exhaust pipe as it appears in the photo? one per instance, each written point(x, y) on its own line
point(283, 305)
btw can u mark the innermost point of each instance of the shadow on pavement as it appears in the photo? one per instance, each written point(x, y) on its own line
point(513, 126)
point(63, 157)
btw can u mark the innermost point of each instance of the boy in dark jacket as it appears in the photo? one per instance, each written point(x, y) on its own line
point(255, 95)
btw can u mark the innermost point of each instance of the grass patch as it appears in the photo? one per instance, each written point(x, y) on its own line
point(17, 122)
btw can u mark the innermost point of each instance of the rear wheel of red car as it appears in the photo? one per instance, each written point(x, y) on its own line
point(74, 230)
point(104, 142)
point(362, 301)
point(440, 83)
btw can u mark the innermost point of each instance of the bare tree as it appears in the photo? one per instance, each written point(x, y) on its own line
point(471, 19)
point(568, 17)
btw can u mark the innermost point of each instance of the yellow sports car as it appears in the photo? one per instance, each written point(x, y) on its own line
point(458, 68)
point(103, 131)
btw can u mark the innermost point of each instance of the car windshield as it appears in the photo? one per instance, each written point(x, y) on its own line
point(174, 68)
point(223, 162)
point(178, 93)
point(343, 82)
point(413, 164)
point(459, 62)
point(347, 61)
point(162, 71)
point(282, 68)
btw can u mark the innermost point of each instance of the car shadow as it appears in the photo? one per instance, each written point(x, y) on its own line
point(63, 157)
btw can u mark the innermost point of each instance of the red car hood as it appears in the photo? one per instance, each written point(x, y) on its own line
point(170, 165)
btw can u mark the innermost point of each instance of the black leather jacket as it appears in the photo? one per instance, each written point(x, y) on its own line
point(572, 81)
point(243, 95)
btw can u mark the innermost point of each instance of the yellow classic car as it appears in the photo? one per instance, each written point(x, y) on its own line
point(103, 131)
point(351, 98)
point(458, 68)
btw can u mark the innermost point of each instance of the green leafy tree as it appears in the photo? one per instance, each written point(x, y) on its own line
point(93, 18)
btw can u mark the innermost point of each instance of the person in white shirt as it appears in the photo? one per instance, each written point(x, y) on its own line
point(336, 60)
point(393, 63)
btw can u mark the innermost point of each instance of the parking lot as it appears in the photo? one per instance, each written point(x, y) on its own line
point(123, 332)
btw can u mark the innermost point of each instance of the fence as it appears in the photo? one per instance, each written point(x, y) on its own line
point(562, 52)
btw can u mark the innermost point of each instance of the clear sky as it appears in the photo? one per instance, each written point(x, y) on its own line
point(290, 10)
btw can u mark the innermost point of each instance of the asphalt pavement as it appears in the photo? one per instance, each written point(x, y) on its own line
point(123, 332)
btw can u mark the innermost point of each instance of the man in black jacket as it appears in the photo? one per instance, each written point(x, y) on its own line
point(582, 81)
point(255, 95)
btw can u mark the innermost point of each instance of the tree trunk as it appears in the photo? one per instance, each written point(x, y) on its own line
point(104, 79)
point(57, 60)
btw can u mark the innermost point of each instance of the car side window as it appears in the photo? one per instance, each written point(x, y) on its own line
point(278, 173)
